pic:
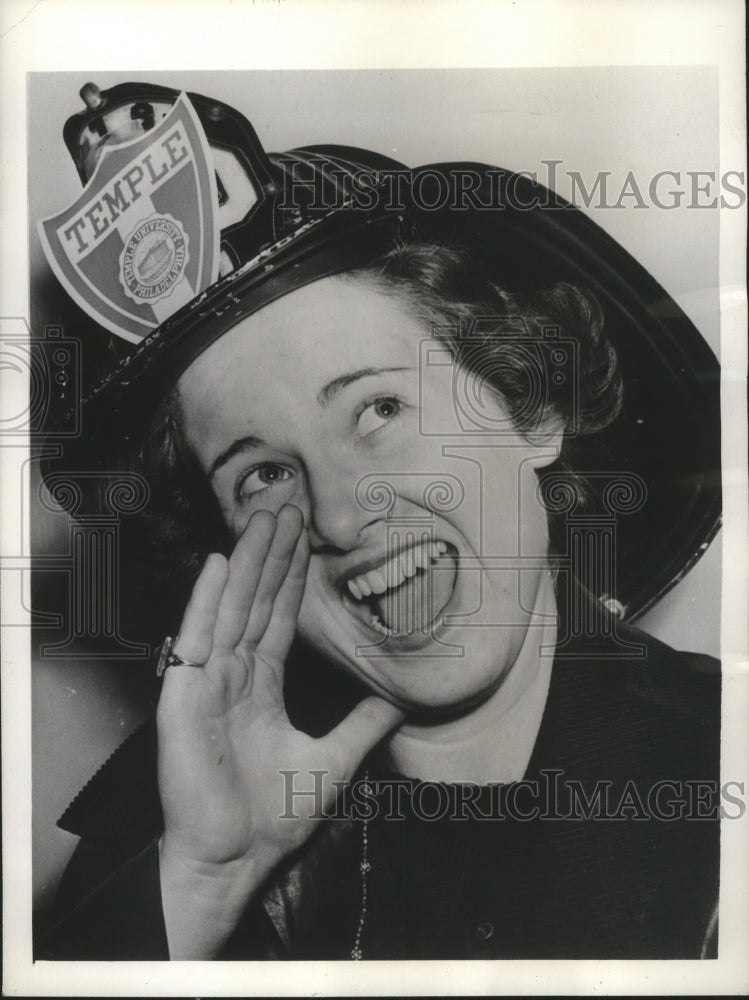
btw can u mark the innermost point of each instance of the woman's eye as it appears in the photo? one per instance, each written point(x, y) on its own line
point(262, 477)
point(377, 414)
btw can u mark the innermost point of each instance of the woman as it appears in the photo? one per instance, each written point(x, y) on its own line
point(357, 432)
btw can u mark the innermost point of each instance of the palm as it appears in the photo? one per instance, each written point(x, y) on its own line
point(224, 735)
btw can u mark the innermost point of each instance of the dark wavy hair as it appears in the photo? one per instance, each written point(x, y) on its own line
point(543, 352)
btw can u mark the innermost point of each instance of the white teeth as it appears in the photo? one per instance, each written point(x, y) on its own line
point(393, 572)
point(379, 626)
point(396, 574)
point(422, 557)
point(376, 581)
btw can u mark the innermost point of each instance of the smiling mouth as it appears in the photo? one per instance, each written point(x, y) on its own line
point(406, 593)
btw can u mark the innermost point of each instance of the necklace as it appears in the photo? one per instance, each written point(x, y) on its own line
point(364, 870)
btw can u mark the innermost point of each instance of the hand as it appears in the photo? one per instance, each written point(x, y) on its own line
point(224, 735)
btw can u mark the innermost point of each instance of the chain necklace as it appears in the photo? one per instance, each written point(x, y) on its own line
point(364, 870)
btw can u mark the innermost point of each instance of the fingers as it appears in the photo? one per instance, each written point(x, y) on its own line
point(279, 633)
point(245, 569)
point(275, 573)
point(233, 603)
point(365, 726)
point(196, 632)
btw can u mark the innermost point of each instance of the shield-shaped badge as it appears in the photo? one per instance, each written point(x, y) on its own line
point(143, 238)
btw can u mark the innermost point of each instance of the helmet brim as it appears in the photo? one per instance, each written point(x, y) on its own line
point(667, 434)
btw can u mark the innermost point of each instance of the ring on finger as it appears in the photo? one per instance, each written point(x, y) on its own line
point(168, 658)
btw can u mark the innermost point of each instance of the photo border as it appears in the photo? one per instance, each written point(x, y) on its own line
point(319, 35)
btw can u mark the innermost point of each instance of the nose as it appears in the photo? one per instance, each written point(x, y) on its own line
point(338, 519)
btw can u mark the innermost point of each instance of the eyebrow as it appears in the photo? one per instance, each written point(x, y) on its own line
point(324, 397)
point(237, 447)
point(329, 391)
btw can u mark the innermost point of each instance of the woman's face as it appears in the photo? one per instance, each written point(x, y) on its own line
point(428, 541)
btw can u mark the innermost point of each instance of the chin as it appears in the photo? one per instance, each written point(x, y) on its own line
point(380, 618)
point(444, 672)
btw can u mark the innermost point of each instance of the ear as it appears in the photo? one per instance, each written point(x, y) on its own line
point(546, 443)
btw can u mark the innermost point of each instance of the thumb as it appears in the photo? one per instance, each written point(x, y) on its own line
point(368, 723)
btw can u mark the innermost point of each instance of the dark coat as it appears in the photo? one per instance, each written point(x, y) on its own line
point(602, 870)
